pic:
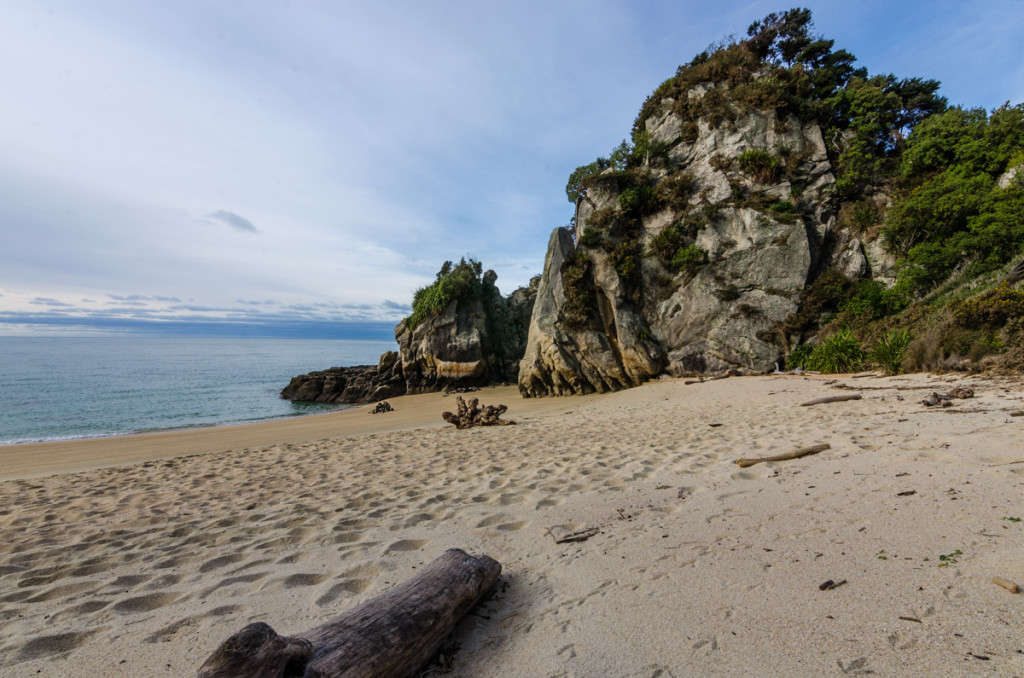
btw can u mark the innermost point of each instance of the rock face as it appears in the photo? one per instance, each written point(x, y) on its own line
point(474, 342)
point(612, 312)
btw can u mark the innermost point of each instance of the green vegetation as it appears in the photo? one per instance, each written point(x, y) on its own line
point(889, 349)
point(799, 357)
point(578, 310)
point(690, 259)
point(761, 165)
point(948, 559)
point(840, 352)
point(921, 176)
point(462, 281)
point(993, 308)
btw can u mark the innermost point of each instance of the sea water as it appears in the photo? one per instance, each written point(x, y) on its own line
point(58, 388)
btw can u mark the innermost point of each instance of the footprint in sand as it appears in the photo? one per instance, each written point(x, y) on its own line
point(239, 579)
point(59, 643)
point(146, 603)
point(349, 587)
point(494, 519)
point(406, 545)
point(220, 562)
point(348, 537)
point(168, 632)
point(303, 579)
point(61, 591)
point(128, 581)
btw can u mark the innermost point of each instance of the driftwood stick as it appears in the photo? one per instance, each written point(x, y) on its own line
point(831, 399)
point(392, 635)
point(1006, 584)
point(743, 463)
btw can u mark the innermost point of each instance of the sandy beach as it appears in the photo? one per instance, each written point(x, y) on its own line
point(137, 556)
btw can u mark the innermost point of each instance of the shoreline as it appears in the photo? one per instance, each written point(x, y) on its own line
point(694, 565)
point(28, 460)
point(177, 429)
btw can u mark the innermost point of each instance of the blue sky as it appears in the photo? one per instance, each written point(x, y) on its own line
point(301, 168)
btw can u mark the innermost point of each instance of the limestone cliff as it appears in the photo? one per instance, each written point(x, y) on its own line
point(678, 265)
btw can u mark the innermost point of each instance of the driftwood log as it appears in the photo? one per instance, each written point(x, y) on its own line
point(831, 399)
point(795, 454)
point(475, 414)
point(392, 635)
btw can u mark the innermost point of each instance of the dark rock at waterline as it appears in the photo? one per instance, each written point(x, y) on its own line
point(359, 384)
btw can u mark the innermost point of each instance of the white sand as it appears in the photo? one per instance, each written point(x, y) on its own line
point(700, 567)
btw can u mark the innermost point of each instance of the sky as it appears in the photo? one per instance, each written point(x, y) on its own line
point(275, 168)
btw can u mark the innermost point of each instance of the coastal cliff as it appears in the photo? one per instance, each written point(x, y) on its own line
point(776, 205)
point(679, 264)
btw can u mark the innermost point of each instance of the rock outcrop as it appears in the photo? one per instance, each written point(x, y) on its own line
point(359, 384)
point(745, 207)
point(475, 341)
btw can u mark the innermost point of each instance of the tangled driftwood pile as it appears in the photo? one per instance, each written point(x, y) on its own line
point(382, 406)
point(945, 399)
point(475, 414)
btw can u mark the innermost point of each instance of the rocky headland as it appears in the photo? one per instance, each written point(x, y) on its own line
point(775, 205)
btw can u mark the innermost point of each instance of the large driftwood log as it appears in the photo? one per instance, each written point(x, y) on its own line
point(475, 414)
point(392, 635)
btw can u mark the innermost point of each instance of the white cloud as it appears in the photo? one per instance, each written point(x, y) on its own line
point(364, 143)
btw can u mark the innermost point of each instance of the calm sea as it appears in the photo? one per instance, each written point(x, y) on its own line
point(57, 388)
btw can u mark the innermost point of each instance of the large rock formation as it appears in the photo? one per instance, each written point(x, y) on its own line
point(745, 207)
point(476, 340)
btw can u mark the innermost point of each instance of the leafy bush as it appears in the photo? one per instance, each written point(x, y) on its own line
point(799, 357)
point(889, 350)
point(840, 352)
point(990, 309)
point(783, 207)
point(579, 297)
point(690, 259)
point(452, 283)
point(617, 160)
point(625, 259)
point(871, 300)
point(674, 191)
point(591, 237)
point(954, 218)
point(667, 243)
point(638, 200)
point(761, 165)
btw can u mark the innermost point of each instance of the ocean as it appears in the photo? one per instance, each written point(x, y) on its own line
point(60, 388)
